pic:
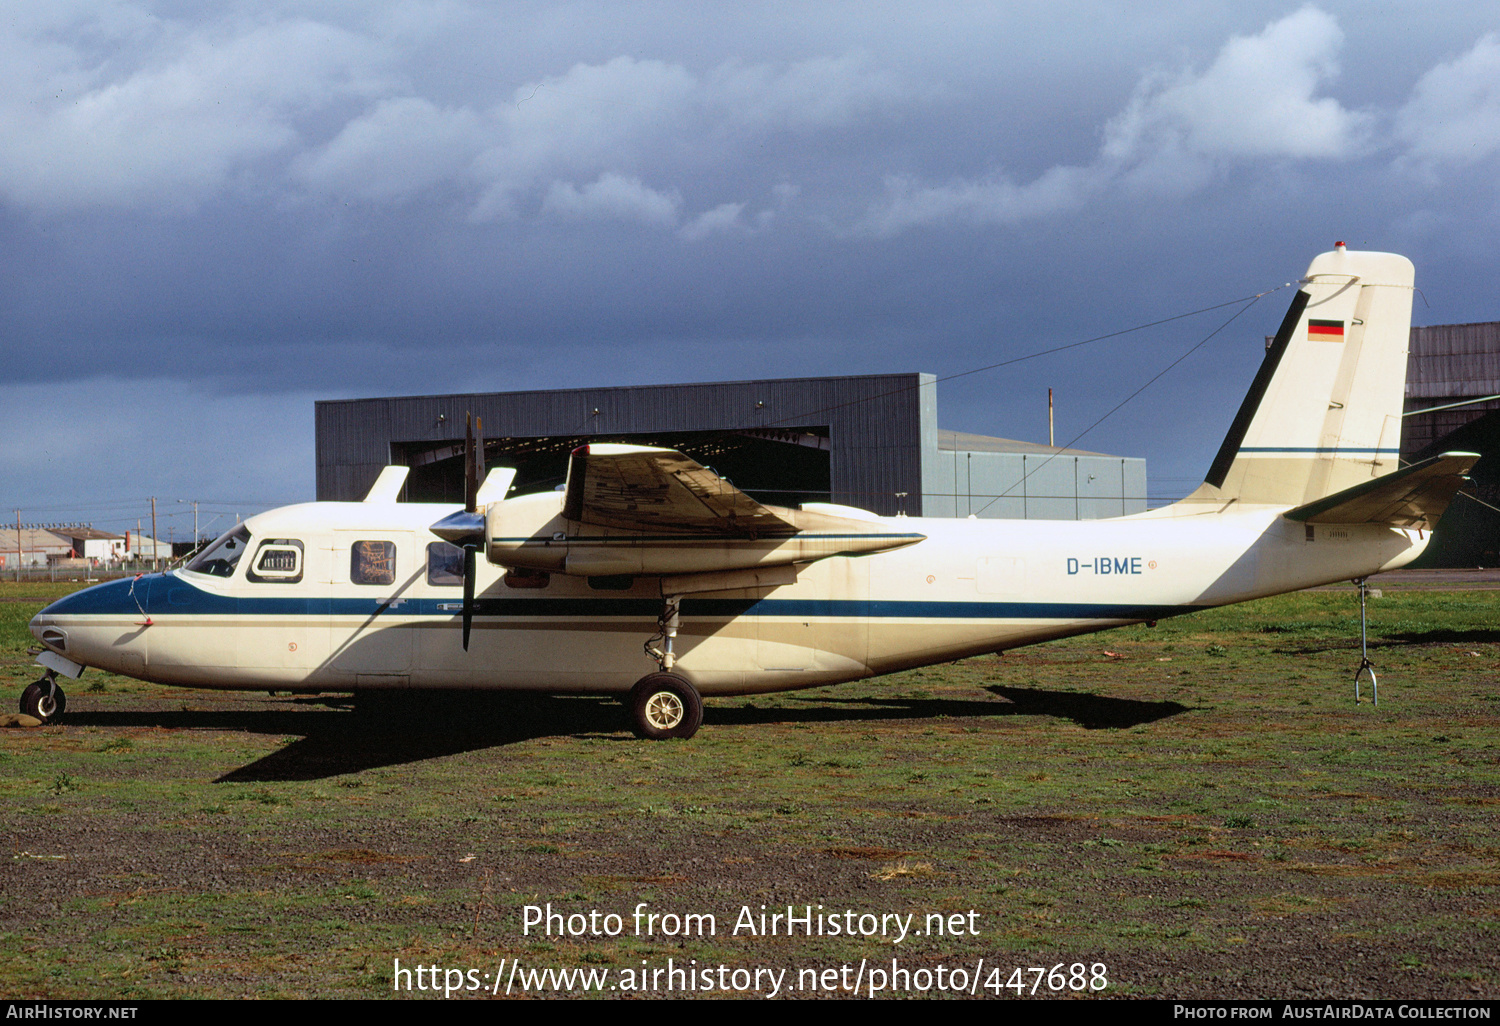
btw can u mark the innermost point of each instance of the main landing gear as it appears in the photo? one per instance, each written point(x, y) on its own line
point(44, 699)
point(664, 704)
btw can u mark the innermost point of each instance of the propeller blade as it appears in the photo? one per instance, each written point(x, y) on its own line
point(478, 459)
point(471, 480)
point(469, 570)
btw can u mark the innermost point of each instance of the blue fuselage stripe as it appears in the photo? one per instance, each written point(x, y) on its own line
point(702, 536)
point(162, 596)
point(1319, 449)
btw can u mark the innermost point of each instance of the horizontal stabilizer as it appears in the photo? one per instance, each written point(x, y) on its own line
point(1414, 496)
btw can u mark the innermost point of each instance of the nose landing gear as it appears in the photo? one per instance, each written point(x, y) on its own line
point(44, 699)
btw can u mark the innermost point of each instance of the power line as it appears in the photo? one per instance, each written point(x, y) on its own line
point(1249, 300)
point(1156, 377)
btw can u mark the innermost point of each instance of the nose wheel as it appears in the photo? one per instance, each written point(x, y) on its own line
point(44, 700)
point(664, 705)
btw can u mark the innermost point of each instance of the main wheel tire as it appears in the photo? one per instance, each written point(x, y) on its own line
point(664, 705)
point(45, 703)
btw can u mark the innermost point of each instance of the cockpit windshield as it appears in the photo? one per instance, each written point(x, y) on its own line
point(220, 558)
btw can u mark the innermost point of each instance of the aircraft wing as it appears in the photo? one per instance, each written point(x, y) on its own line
point(639, 488)
point(630, 510)
point(1413, 496)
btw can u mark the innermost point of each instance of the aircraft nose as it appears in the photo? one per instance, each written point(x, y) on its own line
point(49, 633)
point(84, 626)
point(110, 598)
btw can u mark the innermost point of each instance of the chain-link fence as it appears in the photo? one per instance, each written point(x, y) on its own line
point(76, 571)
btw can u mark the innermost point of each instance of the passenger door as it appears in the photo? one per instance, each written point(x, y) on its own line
point(370, 633)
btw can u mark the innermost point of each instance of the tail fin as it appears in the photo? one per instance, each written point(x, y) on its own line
point(1324, 412)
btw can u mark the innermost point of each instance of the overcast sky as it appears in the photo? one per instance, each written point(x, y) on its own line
point(214, 214)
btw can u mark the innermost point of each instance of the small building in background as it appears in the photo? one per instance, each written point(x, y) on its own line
point(32, 546)
point(1001, 478)
point(140, 547)
point(90, 543)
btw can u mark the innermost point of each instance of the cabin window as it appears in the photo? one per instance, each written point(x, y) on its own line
point(277, 561)
point(220, 558)
point(445, 564)
point(372, 562)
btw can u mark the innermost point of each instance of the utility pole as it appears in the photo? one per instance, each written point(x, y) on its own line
point(195, 521)
point(154, 545)
point(1051, 443)
point(18, 546)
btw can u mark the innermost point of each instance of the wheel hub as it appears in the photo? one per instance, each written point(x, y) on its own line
point(664, 710)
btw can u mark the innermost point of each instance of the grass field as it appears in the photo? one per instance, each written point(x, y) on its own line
point(1194, 810)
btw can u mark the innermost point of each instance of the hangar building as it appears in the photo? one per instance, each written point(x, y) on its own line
point(870, 441)
point(1453, 404)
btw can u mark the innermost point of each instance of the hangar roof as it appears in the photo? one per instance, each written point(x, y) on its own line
point(962, 441)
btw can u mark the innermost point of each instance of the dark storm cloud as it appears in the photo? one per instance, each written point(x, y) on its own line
point(219, 215)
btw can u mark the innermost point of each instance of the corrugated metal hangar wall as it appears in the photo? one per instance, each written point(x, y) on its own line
point(1451, 366)
point(1449, 363)
point(870, 441)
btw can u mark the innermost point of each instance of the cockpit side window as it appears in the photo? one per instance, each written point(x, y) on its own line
point(277, 561)
point(220, 558)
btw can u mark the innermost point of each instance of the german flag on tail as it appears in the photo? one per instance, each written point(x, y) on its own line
point(1325, 331)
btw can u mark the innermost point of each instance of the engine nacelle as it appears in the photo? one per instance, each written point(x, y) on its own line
point(531, 532)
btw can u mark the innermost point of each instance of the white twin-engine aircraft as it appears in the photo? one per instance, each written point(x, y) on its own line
point(737, 597)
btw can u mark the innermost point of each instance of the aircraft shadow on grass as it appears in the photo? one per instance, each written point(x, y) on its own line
point(1092, 712)
point(1401, 639)
point(336, 741)
point(1477, 636)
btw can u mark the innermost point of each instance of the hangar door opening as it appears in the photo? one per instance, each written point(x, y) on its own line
point(779, 466)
